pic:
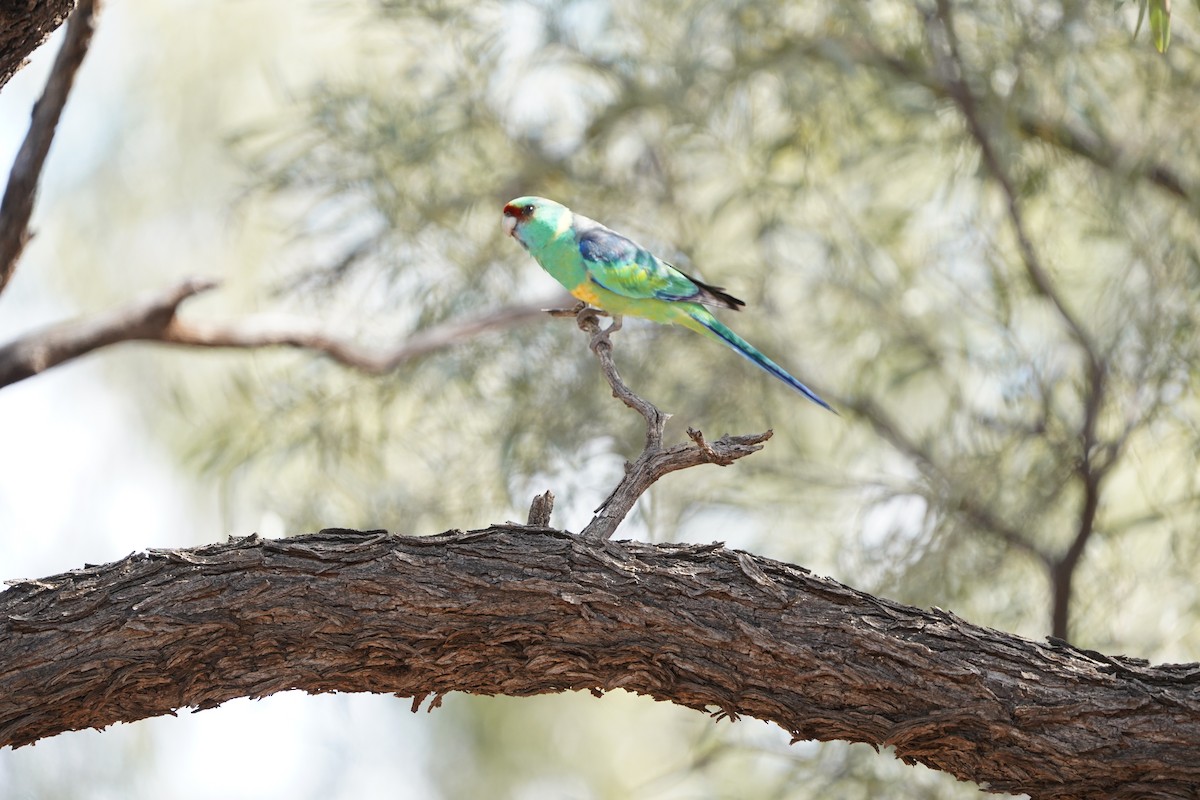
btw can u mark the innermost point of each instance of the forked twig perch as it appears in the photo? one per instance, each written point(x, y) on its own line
point(654, 461)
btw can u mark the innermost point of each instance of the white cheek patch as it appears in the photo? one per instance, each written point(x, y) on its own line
point(564, 224)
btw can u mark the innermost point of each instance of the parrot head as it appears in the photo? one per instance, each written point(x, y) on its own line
point(533, 221)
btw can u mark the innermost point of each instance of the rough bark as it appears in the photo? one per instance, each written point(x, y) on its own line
point(24, 25)
point(517, 610)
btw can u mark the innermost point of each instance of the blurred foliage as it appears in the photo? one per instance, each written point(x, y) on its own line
point(811, 158)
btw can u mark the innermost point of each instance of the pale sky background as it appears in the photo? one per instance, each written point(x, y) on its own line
point(81, 482)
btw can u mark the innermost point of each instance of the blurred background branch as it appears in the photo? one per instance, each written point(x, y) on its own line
point(154, 320)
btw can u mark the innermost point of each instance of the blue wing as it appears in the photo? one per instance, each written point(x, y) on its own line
point(622, 266)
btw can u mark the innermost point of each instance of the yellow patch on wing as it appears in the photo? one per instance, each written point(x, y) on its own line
point(586, 292)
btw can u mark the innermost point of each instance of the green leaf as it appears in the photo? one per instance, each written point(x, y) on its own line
point(1160, 23)
point(1141, 16)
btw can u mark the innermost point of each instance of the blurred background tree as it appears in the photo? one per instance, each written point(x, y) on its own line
point(970, 225)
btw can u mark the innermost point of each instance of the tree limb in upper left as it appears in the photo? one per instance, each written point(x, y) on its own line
point(23, 29)
point(17, 205)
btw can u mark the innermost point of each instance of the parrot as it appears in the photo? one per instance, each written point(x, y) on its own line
point(615, 274)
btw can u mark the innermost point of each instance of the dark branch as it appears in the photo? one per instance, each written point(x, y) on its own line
point(1104, 154)
point(17, 205)
point(513, 611)
point(154, 319)
point(1092, 467)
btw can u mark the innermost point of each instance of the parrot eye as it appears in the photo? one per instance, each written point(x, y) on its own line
point(527, 210)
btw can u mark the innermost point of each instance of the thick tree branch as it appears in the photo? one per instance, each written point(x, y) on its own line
point(17, 205)
point(154, 319)
point(515, 611)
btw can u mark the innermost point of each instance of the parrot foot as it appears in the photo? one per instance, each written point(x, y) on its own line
point(601, 337)
point(573, 311)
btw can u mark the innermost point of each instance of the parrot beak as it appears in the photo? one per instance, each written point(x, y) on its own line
point(510, 225)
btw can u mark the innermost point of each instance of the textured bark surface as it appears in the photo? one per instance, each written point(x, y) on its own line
point(25, 24)
point(517, 611)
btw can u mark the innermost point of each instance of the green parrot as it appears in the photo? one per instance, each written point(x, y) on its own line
point(610, 272)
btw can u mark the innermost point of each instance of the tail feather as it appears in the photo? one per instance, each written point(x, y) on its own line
point(711, 324)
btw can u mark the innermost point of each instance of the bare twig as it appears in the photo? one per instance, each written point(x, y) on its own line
point(654, 461)
point(154, 319)
point(601, 345)
point(17, 205)
point(540, 510)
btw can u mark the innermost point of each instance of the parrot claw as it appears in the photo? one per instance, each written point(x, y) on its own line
point(601, 336)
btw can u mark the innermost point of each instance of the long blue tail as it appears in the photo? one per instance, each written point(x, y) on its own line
point(751, 354)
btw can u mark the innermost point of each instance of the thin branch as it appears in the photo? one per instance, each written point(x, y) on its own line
point(1104, 154)
point(17, 206)
point(601, 344)
point(517, 612)
point(654, 461)
point(154, 319)
point(1094, 465)
point(950, 61)
point(145, 320)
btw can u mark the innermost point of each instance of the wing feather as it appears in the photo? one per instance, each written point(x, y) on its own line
point(624, 267)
